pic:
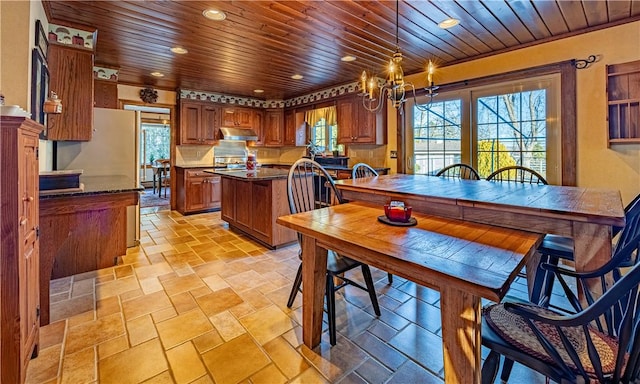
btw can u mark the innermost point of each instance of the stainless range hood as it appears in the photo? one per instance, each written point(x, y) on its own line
point(230, 133)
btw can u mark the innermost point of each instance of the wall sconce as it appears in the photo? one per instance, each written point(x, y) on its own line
point(52, 104)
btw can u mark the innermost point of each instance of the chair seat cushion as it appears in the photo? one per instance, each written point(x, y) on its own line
point(557, 246)
point(516, 331)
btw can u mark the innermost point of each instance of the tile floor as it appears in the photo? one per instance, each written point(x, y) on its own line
point(198, 303)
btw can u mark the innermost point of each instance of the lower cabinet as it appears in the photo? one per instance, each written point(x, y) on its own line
point(253, 207)
point(197, 191)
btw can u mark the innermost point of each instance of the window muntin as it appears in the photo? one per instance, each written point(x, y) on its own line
point(437, 135)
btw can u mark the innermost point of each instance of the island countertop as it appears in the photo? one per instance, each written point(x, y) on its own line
point(259, 174)
point(96, 185)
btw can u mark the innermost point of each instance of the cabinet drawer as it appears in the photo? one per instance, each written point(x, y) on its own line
point(193, 173)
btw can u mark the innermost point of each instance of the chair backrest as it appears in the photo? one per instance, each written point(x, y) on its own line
point(309, 186)
point(460, 171)
point(616, 314)
point(518, 174)
point(363, 170)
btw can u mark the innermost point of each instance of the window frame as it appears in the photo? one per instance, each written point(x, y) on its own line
point(567, 83)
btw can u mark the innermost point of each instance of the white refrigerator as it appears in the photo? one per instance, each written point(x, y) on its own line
point(112, 150)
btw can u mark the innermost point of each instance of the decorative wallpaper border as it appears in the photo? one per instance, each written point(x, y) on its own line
point(257, 103)
point(71, 36)
point(102, 73)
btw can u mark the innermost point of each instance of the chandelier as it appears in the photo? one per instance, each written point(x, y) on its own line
point(395, 88)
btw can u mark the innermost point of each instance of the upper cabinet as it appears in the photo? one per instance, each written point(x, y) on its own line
point(238, 117)
point(356, 125)
point(71, 77)
point(105, 94)
point(199, 123)
point(295, 129)
point(623, 96)
point(274, 128)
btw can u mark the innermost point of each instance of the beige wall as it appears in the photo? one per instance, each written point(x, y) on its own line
point(598, 166)
point(132, 93)
point(17, 36)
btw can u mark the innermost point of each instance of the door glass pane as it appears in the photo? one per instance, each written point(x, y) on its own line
point(512, 131)
point(436, 136)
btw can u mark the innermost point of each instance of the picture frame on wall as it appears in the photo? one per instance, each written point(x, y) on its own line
point(39, 88)
point(41, 40)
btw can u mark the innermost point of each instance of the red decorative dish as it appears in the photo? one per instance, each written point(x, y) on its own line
point(400, 214)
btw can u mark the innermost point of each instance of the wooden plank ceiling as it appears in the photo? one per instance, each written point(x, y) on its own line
point(261, 44)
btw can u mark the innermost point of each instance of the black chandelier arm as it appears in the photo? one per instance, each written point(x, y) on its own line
point(584, 63)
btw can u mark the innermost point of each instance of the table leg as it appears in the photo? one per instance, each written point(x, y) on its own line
point(592, 249)
point(461, 339)
point(314, 270)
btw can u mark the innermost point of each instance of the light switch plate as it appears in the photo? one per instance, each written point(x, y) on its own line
point(393, 154)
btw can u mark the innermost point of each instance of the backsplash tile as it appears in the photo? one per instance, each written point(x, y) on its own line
point(194, 155)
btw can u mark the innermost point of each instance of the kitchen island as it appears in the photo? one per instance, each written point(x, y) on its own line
point(253, 200)
point(83, 229)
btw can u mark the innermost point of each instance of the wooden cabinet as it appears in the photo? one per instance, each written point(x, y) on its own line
point(19, 245)
point(238, 117)
point(295, 129)
point(274, 128)
point(71, 77)
point(196, 190)
point(252, 206)
point(199, 123)
point(623, 96)
point(105, 94)
point(356, 125)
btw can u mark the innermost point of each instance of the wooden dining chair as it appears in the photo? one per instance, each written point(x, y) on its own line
point(459, 171)
point(310, 187)
point(164, 166)
point(365, 170)
point(599, 343)
point(518, 174)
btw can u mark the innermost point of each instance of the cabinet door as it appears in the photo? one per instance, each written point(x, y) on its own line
point(244, 209)
point(289, 128)
point(190, 122)
point(347, 120)
point(274, 129)
point(243, 117)
point(365, 130)
point(228, 209)
point(258, 118)
point(29, 264)
point(261, 198)
point(195, 195)
point(71, 77)
point(212, 192)
point(210, 126)
point(105, 94)
point(228, 117)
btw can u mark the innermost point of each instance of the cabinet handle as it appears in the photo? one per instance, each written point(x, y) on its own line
point(23, 221)
point(28, 198)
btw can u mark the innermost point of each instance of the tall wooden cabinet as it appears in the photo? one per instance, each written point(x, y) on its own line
point(274, 128)
point(295, 128)
point(19, 249)
point(71, 77)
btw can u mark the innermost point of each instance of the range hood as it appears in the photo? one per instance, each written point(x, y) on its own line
point(230, 133)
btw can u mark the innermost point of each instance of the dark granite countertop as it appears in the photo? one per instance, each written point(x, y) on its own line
point(96, 185)
point(328, 167)
point(198, 166)
point(260, 174)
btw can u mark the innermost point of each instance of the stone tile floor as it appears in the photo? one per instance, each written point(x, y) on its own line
point(198, 303)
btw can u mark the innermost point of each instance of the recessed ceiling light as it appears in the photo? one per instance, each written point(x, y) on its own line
point(258, 90)
point(157, 74)
point(297, 77)
point(448, 23)
point(214, 14)
point(348, 58)
point(178, 50)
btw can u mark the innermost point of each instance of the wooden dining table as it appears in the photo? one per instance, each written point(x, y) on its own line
point(585, 214)
point(464, 261)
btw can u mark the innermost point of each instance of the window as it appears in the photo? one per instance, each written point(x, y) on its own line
point(155, 142)
point(490, 127)
point(324, 129)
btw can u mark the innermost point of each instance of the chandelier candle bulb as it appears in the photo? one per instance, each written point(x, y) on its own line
point(364, 81)
point(430, 69)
